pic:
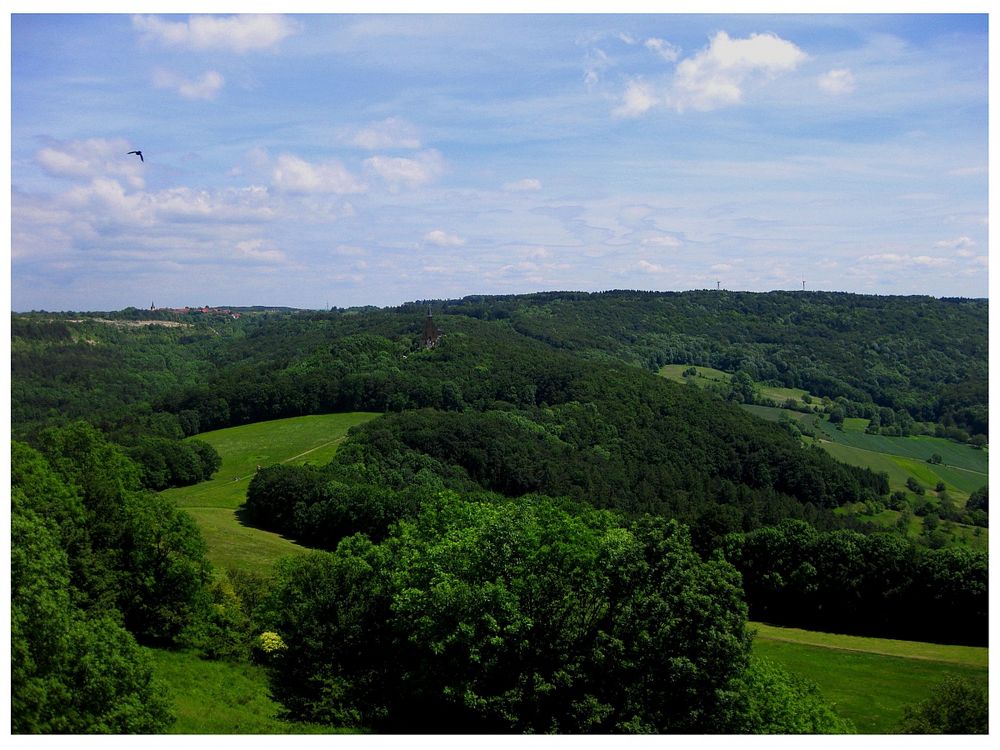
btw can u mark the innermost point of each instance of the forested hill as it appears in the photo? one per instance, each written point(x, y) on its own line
point(922, 358)
point(923, 355)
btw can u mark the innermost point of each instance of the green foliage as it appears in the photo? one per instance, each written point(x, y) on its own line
point(511, 617)
point(979, 500)
point(956, 707)
point(879, 584)
point(773, 701)
point(71, 672)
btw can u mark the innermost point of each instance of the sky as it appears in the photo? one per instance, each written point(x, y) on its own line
point(340, 160)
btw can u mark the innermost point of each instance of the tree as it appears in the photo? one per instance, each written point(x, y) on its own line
point(773, 701)
point(514, 616)
point(980, 499)
point(71, 672)
point(955, 707)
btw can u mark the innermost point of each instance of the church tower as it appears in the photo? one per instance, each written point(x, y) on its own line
point(431, 333)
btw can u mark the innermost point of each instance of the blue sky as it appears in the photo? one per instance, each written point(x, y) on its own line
point(313, 160)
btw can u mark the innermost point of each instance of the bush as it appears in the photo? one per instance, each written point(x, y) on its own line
point(956, 707)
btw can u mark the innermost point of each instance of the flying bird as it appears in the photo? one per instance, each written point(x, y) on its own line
point(139, 154)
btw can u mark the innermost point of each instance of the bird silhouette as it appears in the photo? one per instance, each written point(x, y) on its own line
point(139, 154)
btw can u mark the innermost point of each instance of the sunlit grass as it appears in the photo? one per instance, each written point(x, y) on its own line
point(869, 680)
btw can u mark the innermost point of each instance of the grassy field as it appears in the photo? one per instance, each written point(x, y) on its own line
point(919, 447)
point(869, 680)
point(215, 697)
point(214, 504)
point(708, 375)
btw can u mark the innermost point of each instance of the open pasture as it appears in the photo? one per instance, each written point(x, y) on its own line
point(214, 503)
point(710, 376)
point(869, 680)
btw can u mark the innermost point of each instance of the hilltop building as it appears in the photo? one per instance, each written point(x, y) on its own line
point(431, 333)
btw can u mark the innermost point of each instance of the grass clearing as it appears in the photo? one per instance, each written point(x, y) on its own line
point(214, 503)
point(869, 680)
point(217, 697)
point(298, 440)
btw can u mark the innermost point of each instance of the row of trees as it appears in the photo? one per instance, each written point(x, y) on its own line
point(877, 584)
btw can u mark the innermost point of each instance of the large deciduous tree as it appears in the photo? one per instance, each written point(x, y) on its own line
point(514, 617)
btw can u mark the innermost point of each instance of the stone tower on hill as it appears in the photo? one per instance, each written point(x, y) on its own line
point(431, 333)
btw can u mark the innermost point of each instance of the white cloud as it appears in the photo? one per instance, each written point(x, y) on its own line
point(896, 260)
point(401, 172)
point(838, 81)
point(296, 175)
point(92, 158)
point(242, 33)
point(666, 50)
point(645, 265)
point(714, 78)
point(254, 250)
point(962, 245)
point(389, 133)
point(442, 239)
point(637, 100)
point(883, 259)
point(597, 62)
point(526, 185)
point(206, 87)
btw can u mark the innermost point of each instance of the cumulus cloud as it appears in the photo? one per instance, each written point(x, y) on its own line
point(241, 33)
point(442, 239)
point(389, 133)
point(838, 81)
point(295, 175)
point(256, 251)
point(637, 100)
point(207, 86)
point(645, 265)
point(715, 76)
point(400, 172)
point(961, 245)
point(666, 50)
point(526, 185)
point(91, 158)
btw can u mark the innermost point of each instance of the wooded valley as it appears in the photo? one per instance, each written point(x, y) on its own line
point(540, 532)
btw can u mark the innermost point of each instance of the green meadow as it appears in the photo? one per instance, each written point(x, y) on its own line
point(219, 697)
point(869, 680)
point(708, 376)
point(214, 504)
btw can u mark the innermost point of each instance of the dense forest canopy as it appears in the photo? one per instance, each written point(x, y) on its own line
point(530, 457)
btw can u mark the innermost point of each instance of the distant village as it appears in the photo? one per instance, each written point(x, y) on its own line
point(196, 311)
